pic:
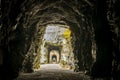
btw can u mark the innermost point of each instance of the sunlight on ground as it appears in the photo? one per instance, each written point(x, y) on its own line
point(53, 66)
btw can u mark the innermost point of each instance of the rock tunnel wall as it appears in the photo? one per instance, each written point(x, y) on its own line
point(113, 18)
point(21, 20)
point(103, 37)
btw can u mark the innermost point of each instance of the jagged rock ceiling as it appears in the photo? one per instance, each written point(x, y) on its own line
point(50, 11)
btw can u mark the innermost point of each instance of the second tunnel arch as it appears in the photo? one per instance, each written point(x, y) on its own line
point(54, 56)
point(51, 50)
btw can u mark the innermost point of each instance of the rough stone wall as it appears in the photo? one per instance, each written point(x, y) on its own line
point(113, 17)
point(32, 58)
point(106, 21)
point(102, 66)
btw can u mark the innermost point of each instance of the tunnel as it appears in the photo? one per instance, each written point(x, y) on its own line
point(54, 58)
point(92, 36)
point(53, 52)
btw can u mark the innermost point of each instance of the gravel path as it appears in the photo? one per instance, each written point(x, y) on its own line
point(52, 72)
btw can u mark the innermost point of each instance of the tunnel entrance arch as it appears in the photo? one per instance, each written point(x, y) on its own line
point(53, 51)
point(54, 56)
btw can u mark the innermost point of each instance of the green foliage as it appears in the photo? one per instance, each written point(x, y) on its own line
point(63, 63)
point(36, 63)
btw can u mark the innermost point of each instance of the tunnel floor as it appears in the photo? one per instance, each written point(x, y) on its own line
point(53, 72)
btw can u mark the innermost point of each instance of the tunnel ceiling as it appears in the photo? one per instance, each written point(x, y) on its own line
point(39, 13)
point(31, 15)
point(50, 11)
point(53, 11)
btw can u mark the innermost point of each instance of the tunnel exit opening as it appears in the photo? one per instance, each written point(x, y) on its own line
point(54, 56)
point(56, 47)
point(54, 59)
point(54, 51)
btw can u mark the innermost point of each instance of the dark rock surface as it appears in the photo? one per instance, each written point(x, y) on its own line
point(23, 22)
